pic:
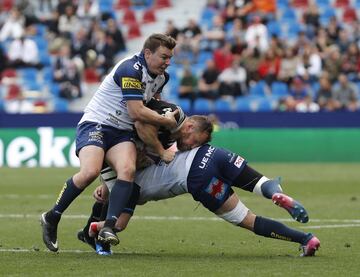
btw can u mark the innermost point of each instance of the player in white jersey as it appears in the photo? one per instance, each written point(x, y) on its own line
point(208, 173)
point(106, 132)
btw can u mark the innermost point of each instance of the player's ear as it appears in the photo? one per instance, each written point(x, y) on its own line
point(147, 53)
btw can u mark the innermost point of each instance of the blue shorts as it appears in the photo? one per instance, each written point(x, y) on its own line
point(92, 133)
point(211, 175)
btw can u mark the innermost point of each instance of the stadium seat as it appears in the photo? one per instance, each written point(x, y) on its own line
point(262, 105)
point(40, 30)
point(133, 31)
point(28, 74)
point(222, 105)
point(129, 17)
point(279, 89)
point(185, 104)
point(288, 14)
point(243, 104)
point(258, 89)
point(9, 73)
point(342, 3)
point(91, 75)
point(323, 4)
point(282, 4)
point(105, 6)
point(159, 4)
point(6, 5)
point(48, 74)
point(148, 16)
point(274, 28)
point(122, 4)
point(202, 105)
point(60, 105)
point(300, 3)
point(54, 88)
point(349, 15)
point(41, 43)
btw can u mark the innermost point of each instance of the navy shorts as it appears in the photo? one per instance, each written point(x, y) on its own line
point(211, 175)
point(92, 133)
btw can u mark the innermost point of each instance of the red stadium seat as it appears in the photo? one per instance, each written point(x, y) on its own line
point(123, 4)
point(149, 16)
point(129, 17)
point(6, 5)
point(91, 76)
point(349, 15)
point(9, 73)
point(133, 31)
point(342, 3)
point(159, 4)
point(300, 3)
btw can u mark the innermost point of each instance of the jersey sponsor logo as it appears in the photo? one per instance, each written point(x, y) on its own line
point(238, 162)
point(128, 82)
point(96, 136)
point(206, 158)
point(217, 188)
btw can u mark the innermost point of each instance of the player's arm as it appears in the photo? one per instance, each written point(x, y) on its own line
point(149, 134)
point(139, 112)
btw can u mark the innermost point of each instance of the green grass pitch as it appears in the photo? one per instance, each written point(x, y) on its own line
point(176, 237)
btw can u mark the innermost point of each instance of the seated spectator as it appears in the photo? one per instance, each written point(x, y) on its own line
point(105, 50)
point(223, 57)
point(288, 65)
point(299, 95)
point(256, 35)
point(188, 45)
point(80, 44)
point(333, 29)
point(236, 33)
point(251, 59)
point(14, 25)
point(345, 94)
point(208, 83)
point(233, 80)
point(68, 22)
point(188, 85)
point(324, 95)
point(269, 68)
point(350, 63)
point(215, 36)
point(115, 33)
point(332, 63)
point(87, 11)
point(23, 52)
point(310, 65)
point(67, 74)
point(311, 18)
point(171, 29)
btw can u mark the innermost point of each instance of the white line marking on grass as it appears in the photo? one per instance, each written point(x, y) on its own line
point(32, 250)
point(330, 226)
point(350, 222)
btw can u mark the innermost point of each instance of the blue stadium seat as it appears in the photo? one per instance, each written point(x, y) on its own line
point(54, 88)
point(44, 58)
point(185, 104)
point(263, 105)
point(1, 105)
point(323, 4)
point(222, 105)
point(207, 17)
point(32, 85)
point(202, 105)
point(288, 14)
point(41, 43)
point(28, 74)
point(258, 89)
point(243, 104)
point(279, 89)
point(48, 74)
point(274, 28)
point(61, 105)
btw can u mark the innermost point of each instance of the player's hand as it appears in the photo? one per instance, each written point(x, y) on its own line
point(172, 121)
point(167, 156)
point(100, 194)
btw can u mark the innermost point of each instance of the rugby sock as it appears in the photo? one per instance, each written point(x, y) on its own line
point(272, 229)
point(118, 199)
point(267, 187)
point(95, 215)
point(66, 196)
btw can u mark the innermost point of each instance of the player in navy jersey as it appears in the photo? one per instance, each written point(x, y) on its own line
point(106, 133)
point(208, 173)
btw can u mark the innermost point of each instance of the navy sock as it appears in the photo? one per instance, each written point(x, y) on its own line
point(118, 199)
point(95, 215)
point(66, 196)
point(270, 187)
point(272, 229)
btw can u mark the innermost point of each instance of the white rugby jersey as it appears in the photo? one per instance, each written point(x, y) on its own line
point(160, 181)
point(128, 80)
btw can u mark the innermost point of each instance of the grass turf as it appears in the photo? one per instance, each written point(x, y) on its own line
point(179, 238)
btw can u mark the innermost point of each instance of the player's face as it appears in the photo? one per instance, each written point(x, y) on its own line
point(158, 61)
point(190, 140)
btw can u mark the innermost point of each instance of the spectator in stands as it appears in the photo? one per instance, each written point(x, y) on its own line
point(23, 52)
point(343, 41)
point(324, 95)
point(223, 57)
point(256, 35)
point(288, 65)
point(322, 41)
point(236, 33)
point(171, 30)
point(80, 44)
point(265, 9)
point(87, 11)
point(251, 59)
point(333, 29)
point(233, 80)
point(214, 37)
point(68, 22)
point(14, 25)
point(332, 62)
point(208, 83)
point(105, 50)
point(115, 33)
point(269, 68)
point(310, 65)
point(299, 93)
point(229, 14)
point(350, 63)
point(188, 85)
point(188, 44)
point(345, 94)
point(67, 74)
point(61, 6)
point(311, 18)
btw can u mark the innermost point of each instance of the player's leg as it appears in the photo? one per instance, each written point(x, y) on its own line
point(122, 158)
point(91, 158)
point(251, 180)
point(235, 212)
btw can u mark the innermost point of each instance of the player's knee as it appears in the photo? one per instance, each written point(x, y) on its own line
point(236, 215)
point(127, 172)
point(89, 175)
